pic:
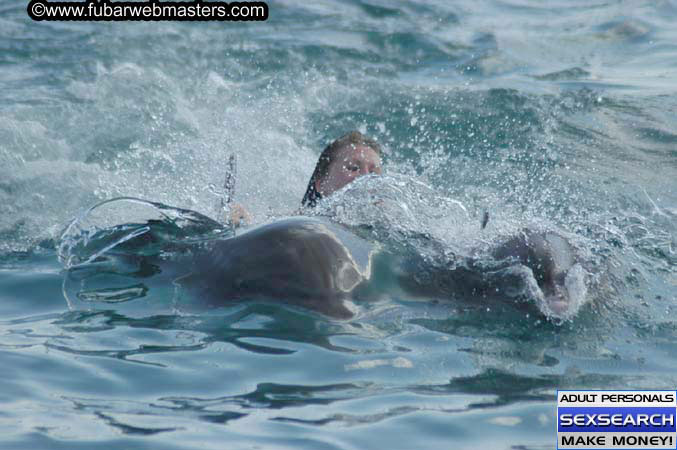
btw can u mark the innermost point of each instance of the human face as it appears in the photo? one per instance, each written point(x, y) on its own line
point(350, 162)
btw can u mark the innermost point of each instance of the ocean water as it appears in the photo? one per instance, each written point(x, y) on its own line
point(560, 113)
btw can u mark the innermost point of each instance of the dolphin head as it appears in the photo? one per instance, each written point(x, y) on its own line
point(548, 272)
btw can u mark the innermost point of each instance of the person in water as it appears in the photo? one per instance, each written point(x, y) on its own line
point(341, 162)
point(317, 264)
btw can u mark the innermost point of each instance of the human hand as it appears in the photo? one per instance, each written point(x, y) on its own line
point(239, 215)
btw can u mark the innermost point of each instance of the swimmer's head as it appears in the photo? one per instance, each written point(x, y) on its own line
point(345, 159)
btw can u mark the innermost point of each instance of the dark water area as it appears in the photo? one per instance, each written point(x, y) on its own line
point(558, 114)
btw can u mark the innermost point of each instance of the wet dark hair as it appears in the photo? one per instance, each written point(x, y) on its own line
point(353, 138)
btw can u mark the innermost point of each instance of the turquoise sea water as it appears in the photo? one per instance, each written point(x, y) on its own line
point(558, 112)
